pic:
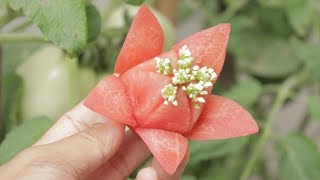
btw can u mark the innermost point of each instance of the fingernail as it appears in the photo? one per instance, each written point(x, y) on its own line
point(148, 173)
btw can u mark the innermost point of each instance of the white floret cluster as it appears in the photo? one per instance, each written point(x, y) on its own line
point(181, 76)
point(185, 59)
point(163, 65)
point(194, 80)
point(169, 93)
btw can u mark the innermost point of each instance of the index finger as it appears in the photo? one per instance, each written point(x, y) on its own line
point(77, 119)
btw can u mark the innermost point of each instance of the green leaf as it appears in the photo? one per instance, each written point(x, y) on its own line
point(300, 159)
point(234, 6)
point(226, 168)
point(187, 177)
point(275, 61)
point(204, 150)
point(2, 6)
point(309, 53)
point(217, 171)
point(62, 22)
point(12, 100)
point(300, 14)
point(271, 3)
point(255, 42)
point(135, 2)
point(274, 22)
point(14, 54)
point(93, 22)
point(246, 93)
point(22, 137)
point(314, 107)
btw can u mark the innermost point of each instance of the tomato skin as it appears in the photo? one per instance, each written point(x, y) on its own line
point(53, 83)
point(134, 50)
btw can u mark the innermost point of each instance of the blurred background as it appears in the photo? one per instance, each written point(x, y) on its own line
point(272, 69)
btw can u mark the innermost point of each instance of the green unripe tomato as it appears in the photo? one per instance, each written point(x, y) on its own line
point(88, 79)
point(53, 83)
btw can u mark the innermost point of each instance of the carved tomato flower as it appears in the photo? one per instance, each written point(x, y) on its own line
point(165, 98)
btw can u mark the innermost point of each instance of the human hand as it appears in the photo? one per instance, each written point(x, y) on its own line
point(83, 145)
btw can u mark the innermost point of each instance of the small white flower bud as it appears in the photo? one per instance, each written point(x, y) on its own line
point(175, 103)
point(195, 68)
point(203, 92)
point(201, 100)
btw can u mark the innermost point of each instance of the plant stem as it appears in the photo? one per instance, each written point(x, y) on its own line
point(74, 92)
point(270, 88)
point(20, 37)
point(1, 99)
point(283, 93)
point(304, 123)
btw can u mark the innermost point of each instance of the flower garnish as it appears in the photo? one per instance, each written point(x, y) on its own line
point(169, 93)
point(167, 100)
point(163, 65)
point(194, 82)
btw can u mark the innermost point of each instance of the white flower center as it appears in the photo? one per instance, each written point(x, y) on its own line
point(194, 80)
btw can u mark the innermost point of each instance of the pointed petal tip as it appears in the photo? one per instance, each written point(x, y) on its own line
point(168, 148)
point(208, 47)
point(255, 129)
point(144, 6)
point(252, 128)
point(223, 118)
point(226, 26)
point(144, 41)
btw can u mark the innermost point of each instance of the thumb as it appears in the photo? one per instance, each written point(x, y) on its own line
point(87, 150)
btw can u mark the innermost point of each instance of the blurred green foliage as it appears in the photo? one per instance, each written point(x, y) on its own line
point(16, 53)
point(314, 106)
point(51, 20)
point(23, 136)
point(272, 42)
point(93, 22)
point(135, 2)
point(11, 103)
point(245, 92)
point(300, 158)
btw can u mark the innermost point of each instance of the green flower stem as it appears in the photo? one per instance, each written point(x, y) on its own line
point(20, 37)
point(282, 95)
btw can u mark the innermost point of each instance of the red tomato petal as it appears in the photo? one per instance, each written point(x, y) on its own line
point(144, 41)
point(222, 118)
point(109, 99)
point(167, 147)
point(144, 90)
point(195, 113)
point(208, 47)
point(170, 117)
